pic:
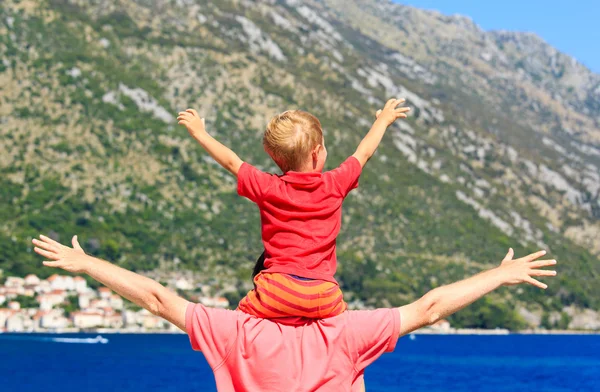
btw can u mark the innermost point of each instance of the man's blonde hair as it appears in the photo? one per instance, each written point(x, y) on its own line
point(290, 138)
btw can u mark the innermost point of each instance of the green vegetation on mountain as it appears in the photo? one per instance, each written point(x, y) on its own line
point(489, 160)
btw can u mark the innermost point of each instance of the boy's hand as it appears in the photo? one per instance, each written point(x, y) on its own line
point(390, 112)
point(192, 121)
point(70, 259)
point(521, 270)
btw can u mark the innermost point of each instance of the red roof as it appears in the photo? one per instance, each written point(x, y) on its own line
point(86, 314)
point(53, 278)
point(78, 278)
point(40, 314)
point(104, 290)
point(9, 311)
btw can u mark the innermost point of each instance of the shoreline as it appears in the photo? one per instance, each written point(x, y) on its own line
point(467, 331)
point(423, 331)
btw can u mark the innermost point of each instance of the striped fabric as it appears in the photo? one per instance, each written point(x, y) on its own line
point(280, 295)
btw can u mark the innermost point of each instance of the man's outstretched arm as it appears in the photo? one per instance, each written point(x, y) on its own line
point(139, 289)
point(443, 301)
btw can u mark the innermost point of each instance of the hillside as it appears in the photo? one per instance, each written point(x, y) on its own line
point(502, 149)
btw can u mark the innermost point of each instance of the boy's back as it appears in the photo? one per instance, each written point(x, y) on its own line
point(300, 216)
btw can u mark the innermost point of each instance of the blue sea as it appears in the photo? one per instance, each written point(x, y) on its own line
point(40, 362)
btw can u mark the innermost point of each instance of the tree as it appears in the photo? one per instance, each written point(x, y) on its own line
point(26, 302)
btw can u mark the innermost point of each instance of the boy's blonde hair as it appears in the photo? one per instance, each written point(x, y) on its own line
point(290, 138)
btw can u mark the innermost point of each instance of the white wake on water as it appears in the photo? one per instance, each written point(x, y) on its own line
point(96, 340)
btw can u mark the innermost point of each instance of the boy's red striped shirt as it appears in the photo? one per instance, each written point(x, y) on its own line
point(301, 216)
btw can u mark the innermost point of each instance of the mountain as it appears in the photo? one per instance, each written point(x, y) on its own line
point(502, 149)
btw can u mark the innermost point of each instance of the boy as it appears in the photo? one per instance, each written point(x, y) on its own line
point(300, 210)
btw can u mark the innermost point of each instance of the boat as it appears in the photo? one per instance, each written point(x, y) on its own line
point(97, 339)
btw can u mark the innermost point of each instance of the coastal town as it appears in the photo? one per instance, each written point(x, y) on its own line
point(63, 303)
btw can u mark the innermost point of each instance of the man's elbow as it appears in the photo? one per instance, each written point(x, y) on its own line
point(430, 310)
point(154, 306)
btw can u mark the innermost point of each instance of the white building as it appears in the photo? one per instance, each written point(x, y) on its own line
point(216, 302)
point(12, 292)
point(442, 325)
point(116, 302)
point(87, 319)
point(99, 304)
point(150, 321)
point(14, 282)
point(80, 284)
point(104, 292)
point(113, 320)
point(5, 313)
point(130, 318)
point(85, 299)
point(32, 280)
point(14, 305)
point(49, 300)
point(28, 292)
point(43, 287)
point(19, 322)
point(54, 320)
point(183, 284)
point(61, 282)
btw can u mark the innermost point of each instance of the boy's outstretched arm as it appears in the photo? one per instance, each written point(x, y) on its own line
point(139, 289)
point(443, 301)
point(220, 153)
point(385, 118)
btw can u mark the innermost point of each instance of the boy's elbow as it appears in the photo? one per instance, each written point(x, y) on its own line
point(362, 156)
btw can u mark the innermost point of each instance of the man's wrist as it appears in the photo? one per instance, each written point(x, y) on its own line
point(87, 263)
point(499, 276)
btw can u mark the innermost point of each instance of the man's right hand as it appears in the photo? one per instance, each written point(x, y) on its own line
point(524, 269)
point(391, 112)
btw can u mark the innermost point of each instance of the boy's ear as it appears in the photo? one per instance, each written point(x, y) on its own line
point(315, 152)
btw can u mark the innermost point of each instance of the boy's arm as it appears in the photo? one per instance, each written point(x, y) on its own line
point(385, 118)
point(443, 301)
point(139, 289)
point(220, 153)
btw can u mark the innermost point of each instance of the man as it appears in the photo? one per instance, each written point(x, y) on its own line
point(252, 354)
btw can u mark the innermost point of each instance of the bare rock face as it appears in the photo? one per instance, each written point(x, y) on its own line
point(533, 319)
point(586, 319)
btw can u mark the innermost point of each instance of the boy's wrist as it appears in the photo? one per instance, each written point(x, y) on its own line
point(383, 121)
point(198, 133)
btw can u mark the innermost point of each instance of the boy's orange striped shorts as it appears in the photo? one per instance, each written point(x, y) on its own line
point(278, 295)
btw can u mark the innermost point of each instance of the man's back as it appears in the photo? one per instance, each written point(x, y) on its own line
point(251, 354)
